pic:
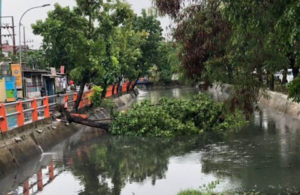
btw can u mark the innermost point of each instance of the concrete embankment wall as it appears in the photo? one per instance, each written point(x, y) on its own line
point(270, 99)
point(20, 145)
point(281, 103)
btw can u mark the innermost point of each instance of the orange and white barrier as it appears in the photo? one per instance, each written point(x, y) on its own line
point(32, 110)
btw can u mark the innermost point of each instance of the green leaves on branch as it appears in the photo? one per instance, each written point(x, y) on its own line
point(175, 117)
point(97, 96)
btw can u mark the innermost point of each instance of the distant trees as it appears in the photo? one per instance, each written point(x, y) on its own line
point(235, 41)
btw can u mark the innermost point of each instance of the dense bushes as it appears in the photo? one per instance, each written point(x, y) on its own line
point(173, 117)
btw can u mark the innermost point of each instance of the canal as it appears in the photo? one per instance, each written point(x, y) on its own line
point(263, 157)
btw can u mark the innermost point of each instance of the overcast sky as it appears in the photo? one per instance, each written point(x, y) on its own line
point(17, 7)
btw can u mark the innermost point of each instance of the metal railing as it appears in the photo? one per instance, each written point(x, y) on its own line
point(20, 113)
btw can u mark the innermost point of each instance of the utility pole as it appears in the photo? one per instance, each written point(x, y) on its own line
point(13, 35)
point(20, 23)
point(25, 49)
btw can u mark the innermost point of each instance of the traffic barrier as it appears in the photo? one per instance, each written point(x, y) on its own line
point(3, 119)
point(116, 89)
point(75, 98)
point(42, 106)
point(20, 116)
point(32, 110)
point(81, 105)
point(124, 87)
point(66, 100)
point(131, 85)
point(26, 187)
point(51, 171)
point(46, 107)
point(40, 180)
point(109, 91)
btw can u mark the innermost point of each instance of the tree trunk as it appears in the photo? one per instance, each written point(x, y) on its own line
point(230, 73)
point(294, 68)
point(88, 122)
point(104, 90)
point(128, 86)
point(136, 80)
point(118, 86)
point(79, 97)
point(81, 120)
point(271, 82)
point(284, 76)
point(260, 74)
point(113, 90)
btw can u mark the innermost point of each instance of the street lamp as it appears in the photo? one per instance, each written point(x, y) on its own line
point(20, 44)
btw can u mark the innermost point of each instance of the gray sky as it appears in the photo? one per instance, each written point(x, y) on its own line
point(17, 7)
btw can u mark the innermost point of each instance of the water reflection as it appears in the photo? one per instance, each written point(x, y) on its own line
point(108, 166)
point(264, 157)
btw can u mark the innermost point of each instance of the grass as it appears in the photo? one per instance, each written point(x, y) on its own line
point(197, 192)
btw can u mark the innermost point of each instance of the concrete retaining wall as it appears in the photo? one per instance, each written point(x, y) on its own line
point(270, 99)
point(21, 145)
point(281, 103)
point(16, 150)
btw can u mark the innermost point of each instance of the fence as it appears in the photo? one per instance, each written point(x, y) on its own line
point(20, 113)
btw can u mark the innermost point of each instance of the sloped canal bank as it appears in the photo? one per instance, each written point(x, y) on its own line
point(264, 157)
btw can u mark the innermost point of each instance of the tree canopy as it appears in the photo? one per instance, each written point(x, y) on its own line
point(100, 41)
point(238, 42)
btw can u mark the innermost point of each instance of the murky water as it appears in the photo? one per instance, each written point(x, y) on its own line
point(264, 157)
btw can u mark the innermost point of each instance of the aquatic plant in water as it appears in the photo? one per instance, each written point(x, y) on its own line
point(175, 117)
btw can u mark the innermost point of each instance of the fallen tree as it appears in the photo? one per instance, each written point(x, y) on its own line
point(83, 119)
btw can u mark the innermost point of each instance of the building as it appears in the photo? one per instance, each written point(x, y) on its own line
point(29, 83)
point(43, 82)
point(8, 50)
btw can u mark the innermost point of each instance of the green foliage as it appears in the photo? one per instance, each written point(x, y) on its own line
point(197, 192)
point(174, 117)
point(204, 190)
point(123, 160)
point(294, 90)
point(149, 24)
point(209, 190)
point(168, 62)
point(236, 41)
point(97, 96)
point(37, 59)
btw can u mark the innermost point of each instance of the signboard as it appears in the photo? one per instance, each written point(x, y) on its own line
point(62, 69)
point(10, 86)
point(53, 71)
point(2, 90)
point(16, 72)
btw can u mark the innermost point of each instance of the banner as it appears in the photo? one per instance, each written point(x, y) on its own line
point(16, 72)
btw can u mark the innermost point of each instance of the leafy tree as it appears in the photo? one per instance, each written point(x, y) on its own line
point(149, 24)
point(37, 59)
point(83, 40)
point(67, 39)
point(235, 41)
point(168, 61)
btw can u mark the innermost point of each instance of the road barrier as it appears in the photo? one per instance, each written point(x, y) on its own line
point(117, 90)
point(32, 110)
point(20, 113)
